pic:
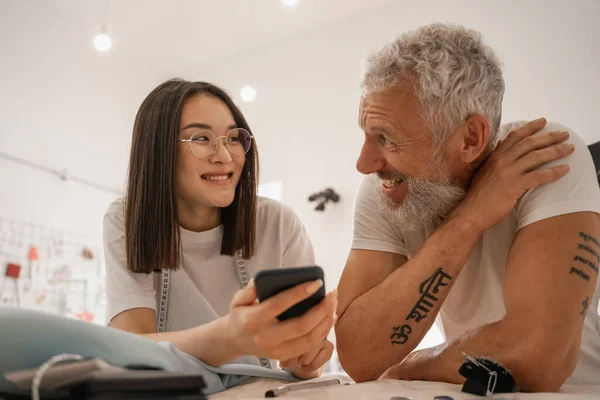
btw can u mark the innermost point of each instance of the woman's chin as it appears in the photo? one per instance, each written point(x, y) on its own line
point(223, 201)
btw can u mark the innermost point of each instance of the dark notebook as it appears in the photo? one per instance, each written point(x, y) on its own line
point(140, 385)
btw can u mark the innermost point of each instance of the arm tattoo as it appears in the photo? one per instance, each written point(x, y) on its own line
point(588, 249)
point(588, 238)
point(579, 272)
point(585, 305)
point(426, 302)
point(587, 262)
point(400, 334)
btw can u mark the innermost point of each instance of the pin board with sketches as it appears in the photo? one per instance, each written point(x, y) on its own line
point(50, 270)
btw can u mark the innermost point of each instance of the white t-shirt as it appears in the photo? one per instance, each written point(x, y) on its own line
point(476, 298)
point(202, 288)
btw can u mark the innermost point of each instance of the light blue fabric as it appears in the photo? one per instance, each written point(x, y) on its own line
point(30, 338)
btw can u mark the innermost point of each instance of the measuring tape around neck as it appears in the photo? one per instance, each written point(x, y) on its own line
point(163, 304)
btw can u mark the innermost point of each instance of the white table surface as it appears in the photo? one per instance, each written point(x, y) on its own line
point(386, 389)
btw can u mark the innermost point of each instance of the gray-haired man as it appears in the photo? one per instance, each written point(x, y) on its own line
point(502, 254)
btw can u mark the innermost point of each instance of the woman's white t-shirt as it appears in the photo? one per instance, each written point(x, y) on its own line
point(202, 288)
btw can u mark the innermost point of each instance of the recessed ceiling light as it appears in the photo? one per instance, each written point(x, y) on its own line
point(102, 42)
point(248, 93)
point(290, 3)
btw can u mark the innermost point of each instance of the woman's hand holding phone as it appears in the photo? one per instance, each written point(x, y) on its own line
point(299, 343)
point(308, 365)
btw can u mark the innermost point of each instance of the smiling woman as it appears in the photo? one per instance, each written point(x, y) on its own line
point(191, 212)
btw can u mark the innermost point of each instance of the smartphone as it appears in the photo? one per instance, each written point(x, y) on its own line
point(269, 282)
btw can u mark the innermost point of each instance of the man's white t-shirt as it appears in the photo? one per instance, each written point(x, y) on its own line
point(202, 288)
point(476, 298)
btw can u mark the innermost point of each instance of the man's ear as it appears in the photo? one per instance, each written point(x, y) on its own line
point(474, 139)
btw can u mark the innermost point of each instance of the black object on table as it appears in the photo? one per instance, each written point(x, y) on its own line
point(152, 385)
point(486, 376)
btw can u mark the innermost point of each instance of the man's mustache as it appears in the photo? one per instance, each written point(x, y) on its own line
point(391, 175)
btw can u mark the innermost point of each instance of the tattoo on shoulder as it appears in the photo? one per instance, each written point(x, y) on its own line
point(428, 289)
point(588, 238)
point(580, 272)
point(587, 262)
point(586, 250)
point(589, 250)
point(585, 305)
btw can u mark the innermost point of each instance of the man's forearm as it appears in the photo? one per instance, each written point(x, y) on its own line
point(386, 323)
point(538, 362)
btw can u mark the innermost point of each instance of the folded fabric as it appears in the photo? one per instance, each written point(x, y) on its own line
point(30, 338)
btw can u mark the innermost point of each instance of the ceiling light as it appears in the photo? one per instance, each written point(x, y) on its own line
point(290, 3)
point(102, 42)
point(248, 93)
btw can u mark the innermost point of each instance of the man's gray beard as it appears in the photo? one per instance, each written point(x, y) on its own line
point(425, 200)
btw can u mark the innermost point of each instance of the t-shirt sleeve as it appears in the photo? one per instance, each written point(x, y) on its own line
point(576, 192)
point(298, 250)
point(371, 231)
point(125, 290)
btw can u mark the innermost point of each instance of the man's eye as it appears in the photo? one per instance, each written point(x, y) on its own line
point(384, 141)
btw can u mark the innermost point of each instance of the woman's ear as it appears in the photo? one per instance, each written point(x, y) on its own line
point(475, 139)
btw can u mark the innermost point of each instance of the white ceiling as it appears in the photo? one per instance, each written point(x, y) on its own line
point(185, 35)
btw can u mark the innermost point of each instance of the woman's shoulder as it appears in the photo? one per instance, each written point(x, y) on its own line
point(272, 212)
point(115, 214)
point(117, 207)
point(270, 208)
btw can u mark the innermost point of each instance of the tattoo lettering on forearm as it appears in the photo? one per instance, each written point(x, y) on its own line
point(588, 238)
point(585, 305)
point(587, 262)
point(400, 334)
point(589, 250)
point(428, 288)
point(580, 273)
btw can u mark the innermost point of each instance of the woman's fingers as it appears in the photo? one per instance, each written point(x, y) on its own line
point(323, 355)
point(245, 296)
point(300, 326)
point(303, 344)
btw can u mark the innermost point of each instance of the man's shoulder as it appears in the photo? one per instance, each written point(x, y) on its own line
point(575, 192)
point(579, 162)
point(551, 126)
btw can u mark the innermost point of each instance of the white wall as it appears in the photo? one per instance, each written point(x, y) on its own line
point(305, 115)
point(63, 105)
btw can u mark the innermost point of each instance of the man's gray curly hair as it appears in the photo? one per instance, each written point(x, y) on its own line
point(457, 75)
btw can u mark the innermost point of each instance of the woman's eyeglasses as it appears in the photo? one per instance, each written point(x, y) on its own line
point(204, 143)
